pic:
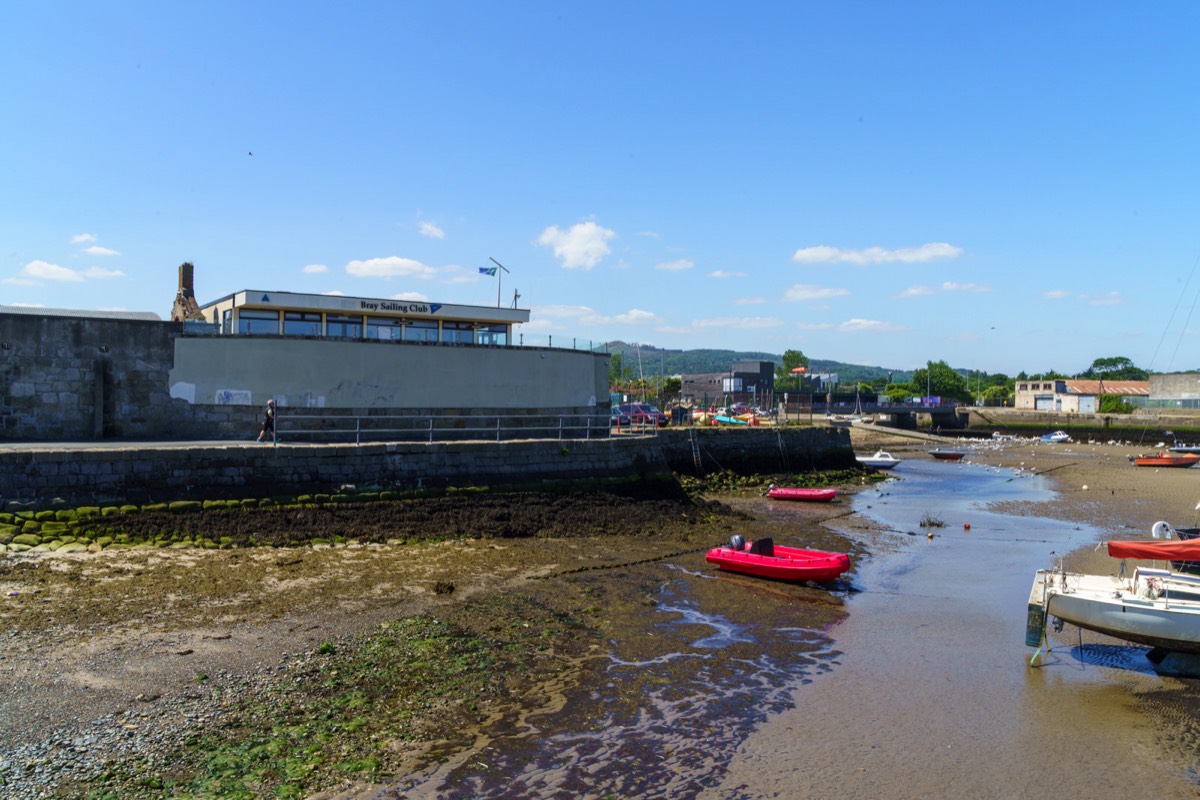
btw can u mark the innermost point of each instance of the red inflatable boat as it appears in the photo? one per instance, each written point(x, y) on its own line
point(810, 495)
point(766, 559)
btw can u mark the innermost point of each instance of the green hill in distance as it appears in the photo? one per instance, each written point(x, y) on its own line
point(654, 361)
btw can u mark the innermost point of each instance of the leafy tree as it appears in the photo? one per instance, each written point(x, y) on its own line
point(671, 387)
point(1114, 404)
point(998, 394)
point(1115, 368)
point(785, 381)
point(618, 373)
point(939, 380)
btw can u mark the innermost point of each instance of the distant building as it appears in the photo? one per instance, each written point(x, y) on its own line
point(824, 380)
point(1180, 390)
point(750, 382)
point(1076, 396)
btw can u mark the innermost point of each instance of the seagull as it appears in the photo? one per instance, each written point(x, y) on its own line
point(249, 153)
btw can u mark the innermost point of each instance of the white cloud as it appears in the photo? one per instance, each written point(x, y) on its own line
point(815, 326)
point(80, 238)
point(97, 250)
point(675, 266)
point(723, 273)
point(808, 291)
point(951, 286)
point(51, 272)
point(1055, 294)
point(313, 269)
point(390, 267)
point(824, 254)
point(563, 311)
point(97, 272)
point(588, 316)
point(334, 293)
point(20, 282)
point(738, 323)
point(634, 316)
point(869, 325)
point(1110, 299)
point(415, 297)
point(431, 230)
point(649, 234)
point(583, 245)
point(922, 290)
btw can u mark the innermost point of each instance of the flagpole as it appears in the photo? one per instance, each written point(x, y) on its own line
point(498, 278)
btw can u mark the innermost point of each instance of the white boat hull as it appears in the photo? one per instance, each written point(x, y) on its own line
point(1154, 608)
point(880, 460)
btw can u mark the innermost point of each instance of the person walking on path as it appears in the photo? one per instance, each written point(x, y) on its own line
point(268, 425)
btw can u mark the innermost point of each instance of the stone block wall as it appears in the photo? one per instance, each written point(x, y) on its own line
point(750, 450)
point(73, 378)
point(41, 477)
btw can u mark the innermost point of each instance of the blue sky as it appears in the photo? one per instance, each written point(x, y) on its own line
point(1002, 187)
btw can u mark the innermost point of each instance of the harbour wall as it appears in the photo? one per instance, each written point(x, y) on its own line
point(42, 477)
point(79, 378)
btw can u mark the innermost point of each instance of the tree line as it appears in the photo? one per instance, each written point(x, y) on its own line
point(935, 379)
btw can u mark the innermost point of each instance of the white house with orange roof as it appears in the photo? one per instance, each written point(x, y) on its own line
point(1076, 396)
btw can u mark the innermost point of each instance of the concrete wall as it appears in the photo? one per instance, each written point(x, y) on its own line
point(39, 478)
point(78, 378)
point(1176, 386)
point(324, 373)
point(753, 450)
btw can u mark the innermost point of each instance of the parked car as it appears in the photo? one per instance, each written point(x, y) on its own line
point(618, 418)
point(645, 414)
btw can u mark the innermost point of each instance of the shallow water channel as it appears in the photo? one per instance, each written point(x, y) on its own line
point(735, 688)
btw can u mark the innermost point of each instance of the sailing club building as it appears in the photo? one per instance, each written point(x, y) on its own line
point(207, 372)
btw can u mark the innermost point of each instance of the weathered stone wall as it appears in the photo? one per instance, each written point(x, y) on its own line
point(145, 474)
point(749, 450)
point(71, 378)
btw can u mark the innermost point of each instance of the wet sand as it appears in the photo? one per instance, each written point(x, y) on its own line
point(925, 689)
point(934, 695)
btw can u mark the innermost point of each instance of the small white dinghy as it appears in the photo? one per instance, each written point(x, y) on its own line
point(881, 460)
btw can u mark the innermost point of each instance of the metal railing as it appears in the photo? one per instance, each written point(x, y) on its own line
point(332, 428)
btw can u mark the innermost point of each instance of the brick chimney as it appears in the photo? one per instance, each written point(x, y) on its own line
point(186, 307)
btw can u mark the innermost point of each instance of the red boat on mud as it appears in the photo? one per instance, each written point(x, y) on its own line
point(793, 493)
point(1167, 460)
point(947, 455)
point(765, 559)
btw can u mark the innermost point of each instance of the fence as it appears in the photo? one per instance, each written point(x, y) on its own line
point(329, 428)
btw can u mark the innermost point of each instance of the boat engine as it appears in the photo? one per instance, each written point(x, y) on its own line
point(736, 542)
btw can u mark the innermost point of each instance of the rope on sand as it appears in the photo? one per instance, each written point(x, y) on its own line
point(649, 560)
point(1060, 466)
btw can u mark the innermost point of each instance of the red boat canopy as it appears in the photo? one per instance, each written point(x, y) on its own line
point(1187, 550)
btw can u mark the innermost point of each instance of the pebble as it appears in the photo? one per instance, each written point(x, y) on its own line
point(80, 755)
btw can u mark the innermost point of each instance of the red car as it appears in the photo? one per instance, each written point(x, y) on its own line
point(644, 414)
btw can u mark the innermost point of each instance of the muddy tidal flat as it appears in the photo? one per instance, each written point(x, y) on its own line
point(569, 647)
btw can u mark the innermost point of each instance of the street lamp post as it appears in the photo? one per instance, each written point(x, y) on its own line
point(798, 372)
